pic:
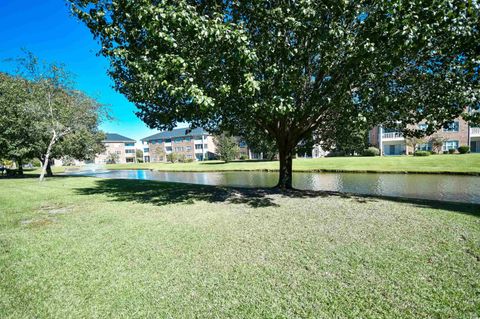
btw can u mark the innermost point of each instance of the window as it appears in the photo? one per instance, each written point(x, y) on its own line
point(179, 149)
point(146, 150)
point(242, 144)
point(178, 140)
point(449, 145)
point(452, 127)
point(205, 146)
point(130, 151)
point(424, 147)
point(188, 148)
point(198, 146)
point(189, 155)
point(188, 139)
point(198, 138)
point(168, 148)
point(129, 144)
point(168, 140)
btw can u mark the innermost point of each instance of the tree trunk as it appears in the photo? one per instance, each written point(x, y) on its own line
point(20, 166)
point(49, 169)
point(285, 176)
point(46, 163)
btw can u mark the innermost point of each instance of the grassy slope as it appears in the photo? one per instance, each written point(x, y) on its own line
point(82, 247)
point(439, 163)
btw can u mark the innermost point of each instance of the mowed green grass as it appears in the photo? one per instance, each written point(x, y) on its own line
point(465, 163)
point(99, 248)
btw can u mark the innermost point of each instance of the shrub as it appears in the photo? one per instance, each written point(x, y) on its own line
point(421, 153)
point(243, 157)
point(172, 157)
point(189, 160)
point(336, 153)
point(371, 151)
point(451, 151)
point(36, 162)
point(445, 152)
point(464, 149)
point(432, 152)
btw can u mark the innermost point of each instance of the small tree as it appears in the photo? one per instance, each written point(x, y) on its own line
point(437, 143)
point(227, 147)
point(414, 142)
point(112, 158)
point(139, 156)
point(172, 157)
point(157, 153)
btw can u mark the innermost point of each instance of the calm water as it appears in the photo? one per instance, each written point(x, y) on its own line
point(438, 187)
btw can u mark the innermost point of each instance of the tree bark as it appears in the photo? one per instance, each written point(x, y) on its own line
point(20, 166)
point(46, 163)
point(49, 169)
point(285, 175)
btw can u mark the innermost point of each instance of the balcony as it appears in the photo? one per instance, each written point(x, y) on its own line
point(391, 136)
point(475, 131)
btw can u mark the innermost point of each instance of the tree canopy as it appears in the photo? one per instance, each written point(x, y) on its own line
point(290, 68)
point(43, 117)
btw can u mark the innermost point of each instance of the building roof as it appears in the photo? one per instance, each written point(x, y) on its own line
point(117, 138)
point(178, 132)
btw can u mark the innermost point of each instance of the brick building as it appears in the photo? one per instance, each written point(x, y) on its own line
point(458, 133)
point(193, 144)
point(120, 145)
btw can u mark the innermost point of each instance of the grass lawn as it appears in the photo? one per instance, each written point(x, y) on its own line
point(468, 163)
point(85, 247)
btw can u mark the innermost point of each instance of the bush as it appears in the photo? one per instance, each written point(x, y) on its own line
point(432, 152)
point(371, 151)
point(451, 151)
point(172, 157)
point(464, 149)
point(421, 153)
point(189, 160)
point(243, 157)
point(336, 153)
point(36, 162)
point(445, 152)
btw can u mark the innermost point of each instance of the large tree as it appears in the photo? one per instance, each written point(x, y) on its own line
point(44, 117)
point(19, 122)
point(290, 67)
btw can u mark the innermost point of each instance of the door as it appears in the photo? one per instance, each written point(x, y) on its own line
point(392, 150)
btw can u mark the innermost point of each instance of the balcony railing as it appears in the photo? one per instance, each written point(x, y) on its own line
point(392, 136)
point(475, 131)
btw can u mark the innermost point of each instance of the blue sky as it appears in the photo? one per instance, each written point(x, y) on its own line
point(46, 28)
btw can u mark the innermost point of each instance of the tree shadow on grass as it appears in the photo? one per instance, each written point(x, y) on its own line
point(164, 193)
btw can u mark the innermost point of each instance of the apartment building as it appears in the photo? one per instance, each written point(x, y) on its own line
point(458, 133)
point(195, 144)
point(120, 145)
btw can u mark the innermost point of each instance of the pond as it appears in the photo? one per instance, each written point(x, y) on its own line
point(424, 186)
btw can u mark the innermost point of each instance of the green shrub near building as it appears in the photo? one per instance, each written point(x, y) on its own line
point(371, 151)
point(464, 149)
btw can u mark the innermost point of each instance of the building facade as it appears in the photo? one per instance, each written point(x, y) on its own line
point(123, 147)
point(458, 133)
point(194, 144)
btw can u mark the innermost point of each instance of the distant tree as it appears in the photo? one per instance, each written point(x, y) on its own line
point(437, 143)
point(139, 155)
point(260, 143)
point(172, 157)
point(157, 153)
point(112, 158)
point(414, 142)
point(226, 147)
point(47, 117)
point(291, 67)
